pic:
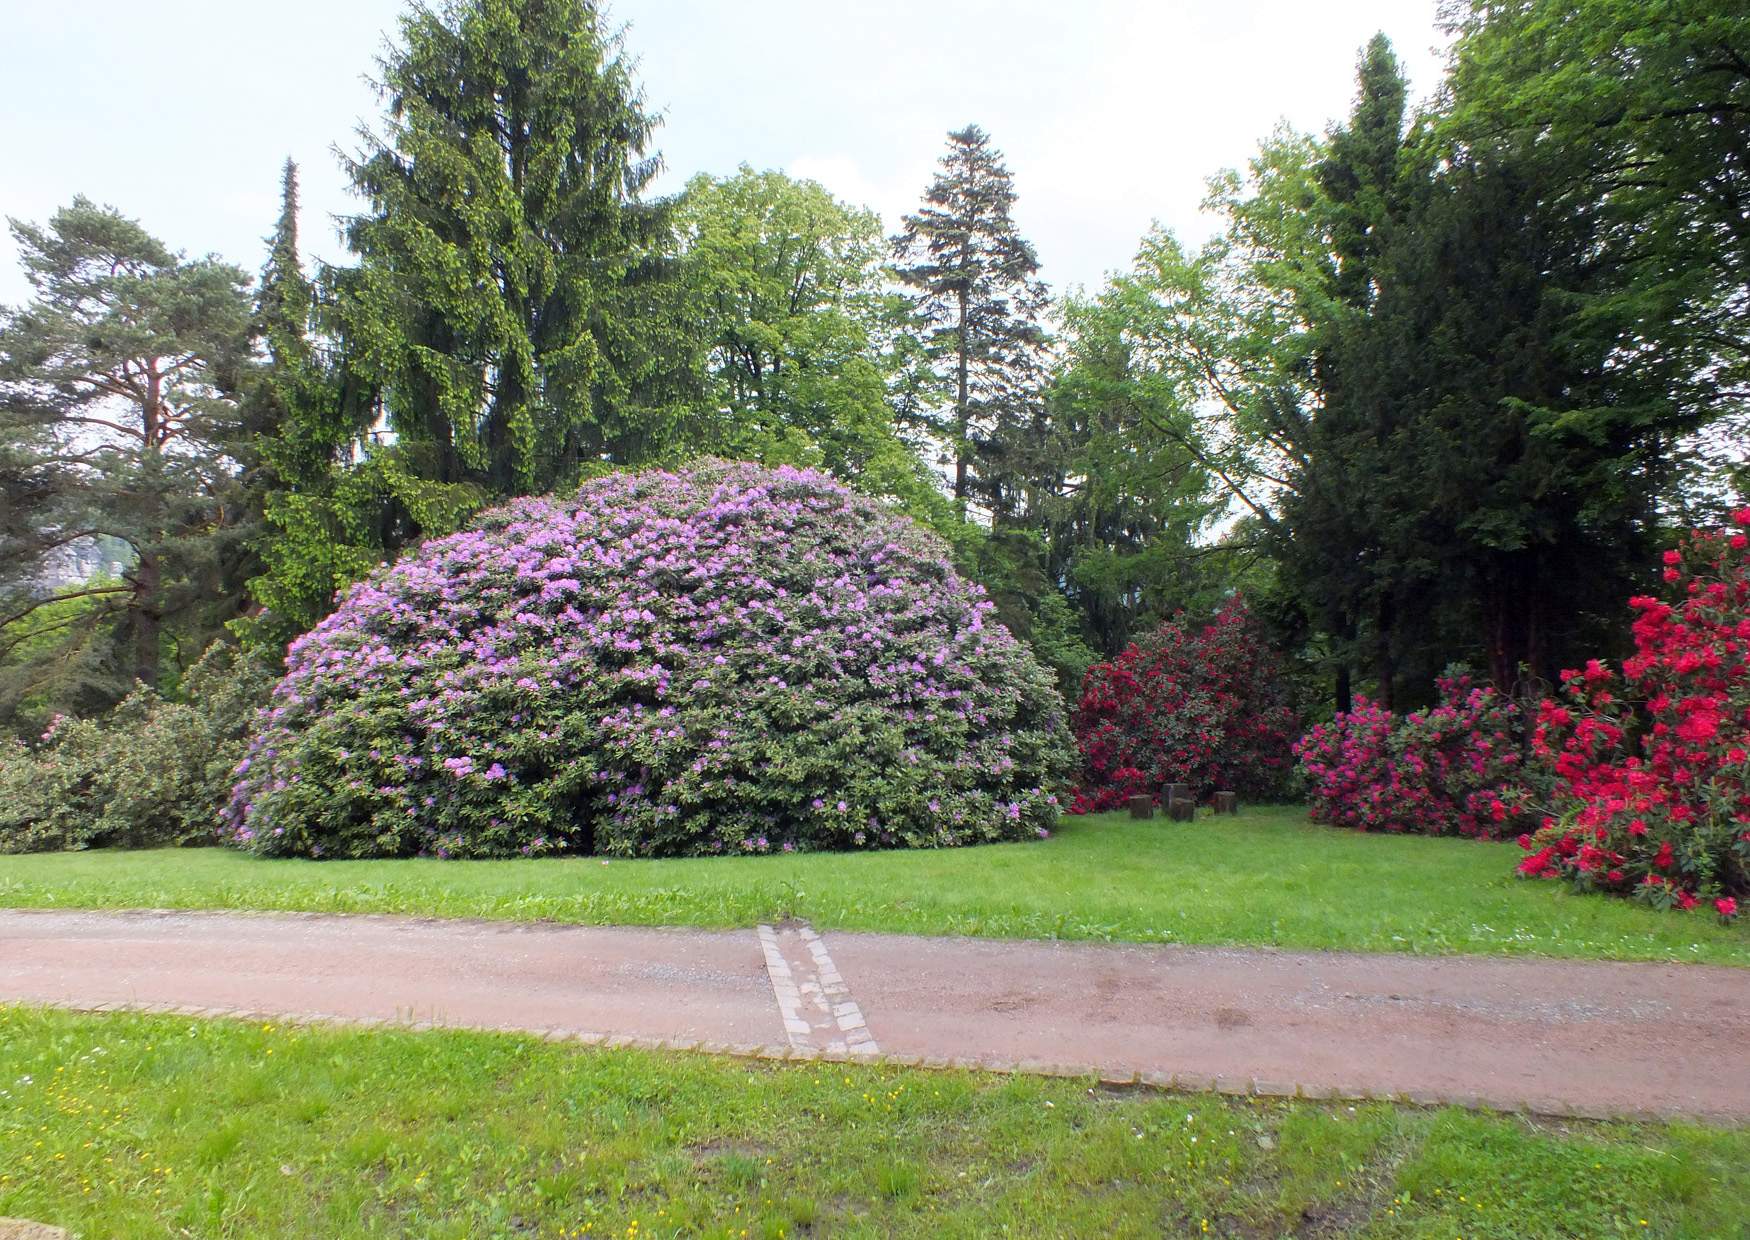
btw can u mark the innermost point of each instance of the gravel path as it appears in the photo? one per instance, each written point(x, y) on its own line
point(1557, 1037)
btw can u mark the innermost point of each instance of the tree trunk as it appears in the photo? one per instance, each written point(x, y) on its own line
point(148, 575)
point(962, 418)
point(148, 580)
point(1345, 689)
point(1384, 666)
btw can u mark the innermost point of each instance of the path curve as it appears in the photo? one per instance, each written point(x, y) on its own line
point(1560, 1037)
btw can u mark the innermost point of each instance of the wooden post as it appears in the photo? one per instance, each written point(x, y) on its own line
point(1175, 792)
point(1227, 803)
point(1181, 809)
point(1142, 806)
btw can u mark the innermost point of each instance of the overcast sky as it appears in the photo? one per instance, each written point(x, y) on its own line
point(1112, 113)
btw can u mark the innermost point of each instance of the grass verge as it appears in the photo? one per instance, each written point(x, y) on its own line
point(1267, 878)
point(146, 1126)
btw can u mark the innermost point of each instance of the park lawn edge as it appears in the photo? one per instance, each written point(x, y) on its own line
point(1267, 879)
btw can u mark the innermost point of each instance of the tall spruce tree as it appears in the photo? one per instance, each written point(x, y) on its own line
point(503, 301)
point(1519, 494)
point(979, 292)
point(120, 422)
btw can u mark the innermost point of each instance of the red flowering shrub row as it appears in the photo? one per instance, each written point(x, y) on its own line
point(1653, 762)
point(1203, 706)
point(1457, 768)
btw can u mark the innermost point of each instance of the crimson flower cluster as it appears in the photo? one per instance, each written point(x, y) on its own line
point(1205, 706)
point(720, 660)
point(1653, 761)
point(1457, 768)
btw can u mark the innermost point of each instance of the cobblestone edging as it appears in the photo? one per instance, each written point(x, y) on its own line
point(1108, 1077)
point(819, 1013)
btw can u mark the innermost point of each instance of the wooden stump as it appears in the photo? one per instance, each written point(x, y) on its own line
point(1181, 809)
point(1175, 792)
point(1142, 807)
point(1227, 803)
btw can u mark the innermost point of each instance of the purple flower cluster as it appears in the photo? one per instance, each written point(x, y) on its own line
point(723, 659)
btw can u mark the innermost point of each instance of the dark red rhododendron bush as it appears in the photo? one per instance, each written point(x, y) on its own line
point(1206, 706)
point(1653, 761)
point(723, 659)
point(1458, 768)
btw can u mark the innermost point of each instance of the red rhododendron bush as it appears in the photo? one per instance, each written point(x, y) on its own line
point(1203, 706)
point(1653, 762)
point(1457, 768)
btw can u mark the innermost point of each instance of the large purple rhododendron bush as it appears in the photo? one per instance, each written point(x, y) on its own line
point(726, 659)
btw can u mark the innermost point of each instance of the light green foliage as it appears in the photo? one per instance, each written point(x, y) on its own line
point(1134, 534)
point(1642, 105)
point(1100, 877)
point(130, 1126)
point(151, 772)
point(785, 288)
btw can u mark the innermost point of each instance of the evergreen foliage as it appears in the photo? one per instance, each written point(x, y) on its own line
point(978, 289)
point(321, 529)
point(511, 303)
point(119, 421)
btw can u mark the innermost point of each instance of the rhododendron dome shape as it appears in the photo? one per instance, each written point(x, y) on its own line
point(1200, 705)
point(724, 659)
point(1653, 762)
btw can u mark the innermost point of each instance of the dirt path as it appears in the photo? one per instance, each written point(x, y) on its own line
point(1561, 1037)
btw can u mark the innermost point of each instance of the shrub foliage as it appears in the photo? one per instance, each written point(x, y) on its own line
point(151, 772)
point(723, 659)
point(1204, 706)
point(1458, 768)
point(1653, 762)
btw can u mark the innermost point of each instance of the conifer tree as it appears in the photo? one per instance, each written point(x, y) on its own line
point(1333, 554)
point(503, 302)
point(321, 522)
point(120, 421)
point(979, 292)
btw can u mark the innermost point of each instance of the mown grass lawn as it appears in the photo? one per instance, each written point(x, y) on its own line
point(1267, 878)
point(149, 1126)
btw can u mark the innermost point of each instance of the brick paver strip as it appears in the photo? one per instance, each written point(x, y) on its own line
point(813, 1000)
point(1564, 1037)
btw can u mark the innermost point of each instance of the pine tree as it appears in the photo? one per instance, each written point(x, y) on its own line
point(507, 302)
point(120, 421)
point(979, 291)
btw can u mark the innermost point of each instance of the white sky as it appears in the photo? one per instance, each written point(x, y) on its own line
point(1112, 113)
